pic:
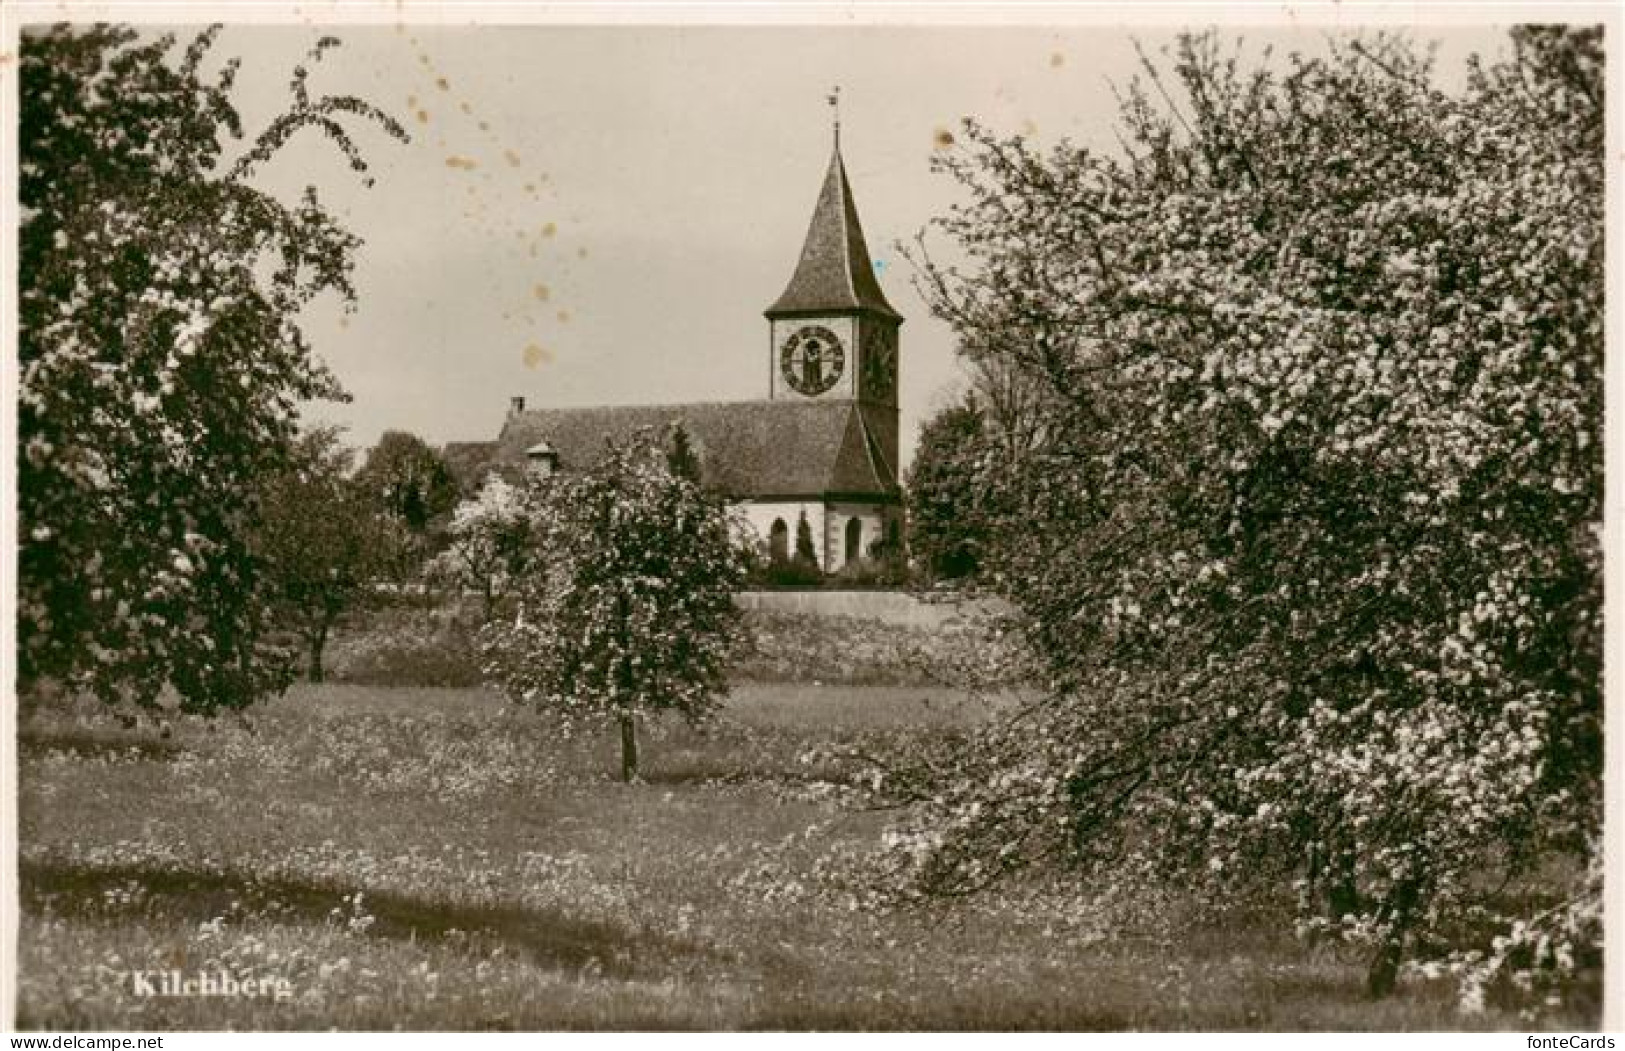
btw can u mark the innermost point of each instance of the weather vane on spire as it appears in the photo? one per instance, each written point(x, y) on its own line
point(834, 98)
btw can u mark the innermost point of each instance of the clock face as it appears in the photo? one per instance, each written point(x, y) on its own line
point(879, 362)
point(812, 360)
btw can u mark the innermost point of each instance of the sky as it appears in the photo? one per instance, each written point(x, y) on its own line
point(599, 215)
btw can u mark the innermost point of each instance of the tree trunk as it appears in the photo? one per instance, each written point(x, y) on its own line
point(629, 748)
point(1384, 973)
point(623, 676)
point(1342, 892)
point(317, 644)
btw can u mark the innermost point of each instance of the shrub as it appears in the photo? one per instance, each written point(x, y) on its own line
point(853, 651)
point(408, 644)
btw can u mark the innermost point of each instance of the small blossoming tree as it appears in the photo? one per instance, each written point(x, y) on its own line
point(492, 544)
point(628, 607)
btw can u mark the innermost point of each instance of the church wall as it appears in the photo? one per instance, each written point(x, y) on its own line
point(872, 519)
point(828, 523)
point(761, 516)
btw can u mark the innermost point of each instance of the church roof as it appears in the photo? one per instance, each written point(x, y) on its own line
point(835, 271)
point(748, 449)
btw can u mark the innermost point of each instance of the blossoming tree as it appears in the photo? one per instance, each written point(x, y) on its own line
point(628, 606)
point(1309, 545)
point(161, 363)
point(491, 546)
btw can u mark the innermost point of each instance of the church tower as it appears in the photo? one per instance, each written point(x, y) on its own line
point(832, 334)
point(821, 448)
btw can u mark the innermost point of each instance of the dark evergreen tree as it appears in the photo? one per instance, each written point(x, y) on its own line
point(680, 457)
point(806, 556)
point(948, 526)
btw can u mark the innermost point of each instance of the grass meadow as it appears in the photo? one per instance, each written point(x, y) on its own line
point(440, 859)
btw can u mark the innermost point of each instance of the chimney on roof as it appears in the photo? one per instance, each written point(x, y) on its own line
point(516, 405)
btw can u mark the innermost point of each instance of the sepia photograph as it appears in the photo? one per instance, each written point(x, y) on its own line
point(805, 520)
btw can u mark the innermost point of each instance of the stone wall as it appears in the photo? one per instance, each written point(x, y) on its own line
point(891, 607)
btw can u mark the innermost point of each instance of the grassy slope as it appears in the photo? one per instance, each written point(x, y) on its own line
point(506, 881)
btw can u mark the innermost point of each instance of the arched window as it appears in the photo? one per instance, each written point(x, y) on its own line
point(778, 541)
point(854, 539)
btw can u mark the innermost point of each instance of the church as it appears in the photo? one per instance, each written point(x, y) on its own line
point(822, 443)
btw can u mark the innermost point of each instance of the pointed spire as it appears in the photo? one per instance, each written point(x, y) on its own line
point(835, 272)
